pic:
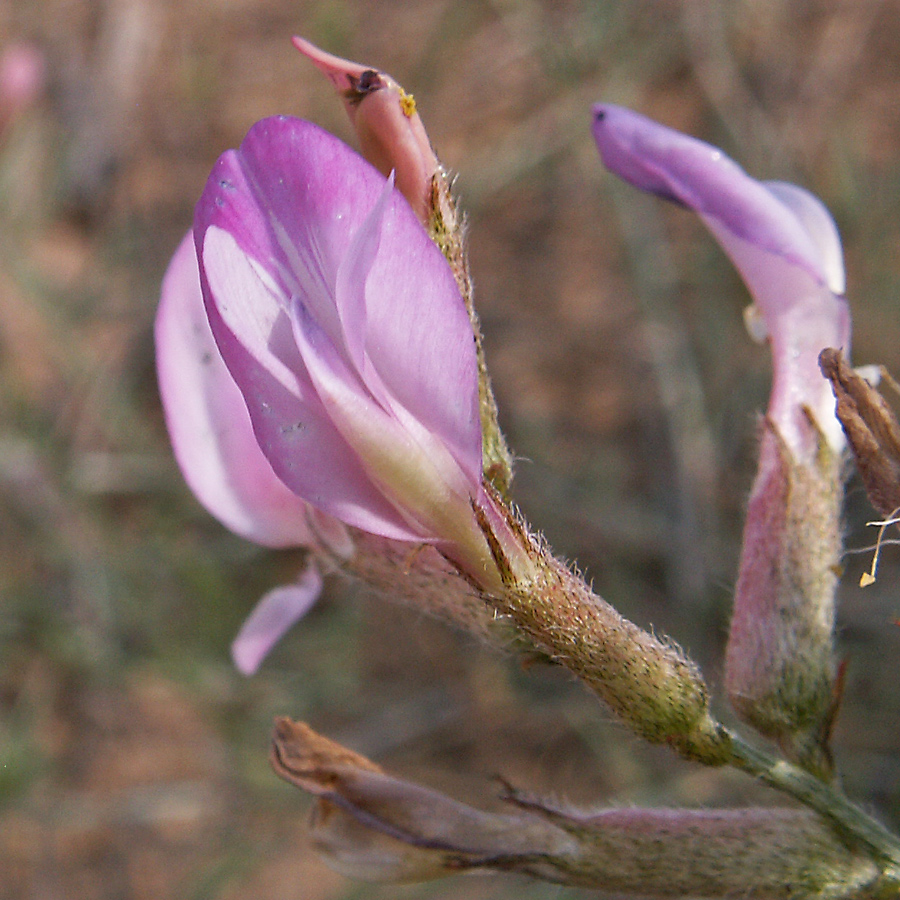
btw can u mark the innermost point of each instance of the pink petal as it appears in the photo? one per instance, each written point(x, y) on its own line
point(294, 431)
point(351, 277)
point(208, 420)
point(294, 197)
point(419, 338)
point(815, 218)
point(802, 318)
point(403, 459)
point(275, 613)
point(677, 167)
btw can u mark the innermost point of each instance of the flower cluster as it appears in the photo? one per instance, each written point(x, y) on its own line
point(321, 373)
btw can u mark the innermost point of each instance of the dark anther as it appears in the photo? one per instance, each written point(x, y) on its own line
point(369, 81)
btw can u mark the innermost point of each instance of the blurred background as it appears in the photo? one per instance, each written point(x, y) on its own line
point(132, 755)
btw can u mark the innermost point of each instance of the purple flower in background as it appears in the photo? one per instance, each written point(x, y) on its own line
point(780, 238)
point(317, 365)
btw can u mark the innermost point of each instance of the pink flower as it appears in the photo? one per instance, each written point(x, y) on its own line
point(23, 76)
point(343, 327)
point(779, 669)
point(317, 364)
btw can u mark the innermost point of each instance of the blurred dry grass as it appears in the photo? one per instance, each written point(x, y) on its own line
point(132, 757)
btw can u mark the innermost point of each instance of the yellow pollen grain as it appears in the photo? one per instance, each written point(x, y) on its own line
point(407, 104)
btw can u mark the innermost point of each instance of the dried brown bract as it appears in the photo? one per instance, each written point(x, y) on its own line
point(871, 428)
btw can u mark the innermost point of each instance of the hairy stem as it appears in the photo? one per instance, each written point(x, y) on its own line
point(852, 822)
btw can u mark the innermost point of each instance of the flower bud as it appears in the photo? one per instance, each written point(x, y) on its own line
point(393, 139)
point(779, 667)
point(391, 134)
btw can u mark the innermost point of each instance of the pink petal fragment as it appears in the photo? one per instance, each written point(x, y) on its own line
point(275, 613)
point(208, 421)
point(23, 77)
point(419, 339)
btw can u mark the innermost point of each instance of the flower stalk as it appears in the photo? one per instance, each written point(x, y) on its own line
point(647, 681)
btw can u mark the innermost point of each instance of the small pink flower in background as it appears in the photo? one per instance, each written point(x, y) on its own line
point(23, 74)
point(391, 134)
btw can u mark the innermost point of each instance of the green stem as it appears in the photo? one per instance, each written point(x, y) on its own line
point(848, 818)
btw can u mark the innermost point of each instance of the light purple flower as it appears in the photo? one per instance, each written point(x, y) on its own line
point(779, 669)
point(221, 461)
point(317, 366)
point(343, 327)
point(780, 238)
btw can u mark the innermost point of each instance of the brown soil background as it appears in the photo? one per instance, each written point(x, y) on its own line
point(132, 756)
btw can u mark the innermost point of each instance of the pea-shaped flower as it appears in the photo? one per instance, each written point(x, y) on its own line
point(779, 669)
point(317, 364)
